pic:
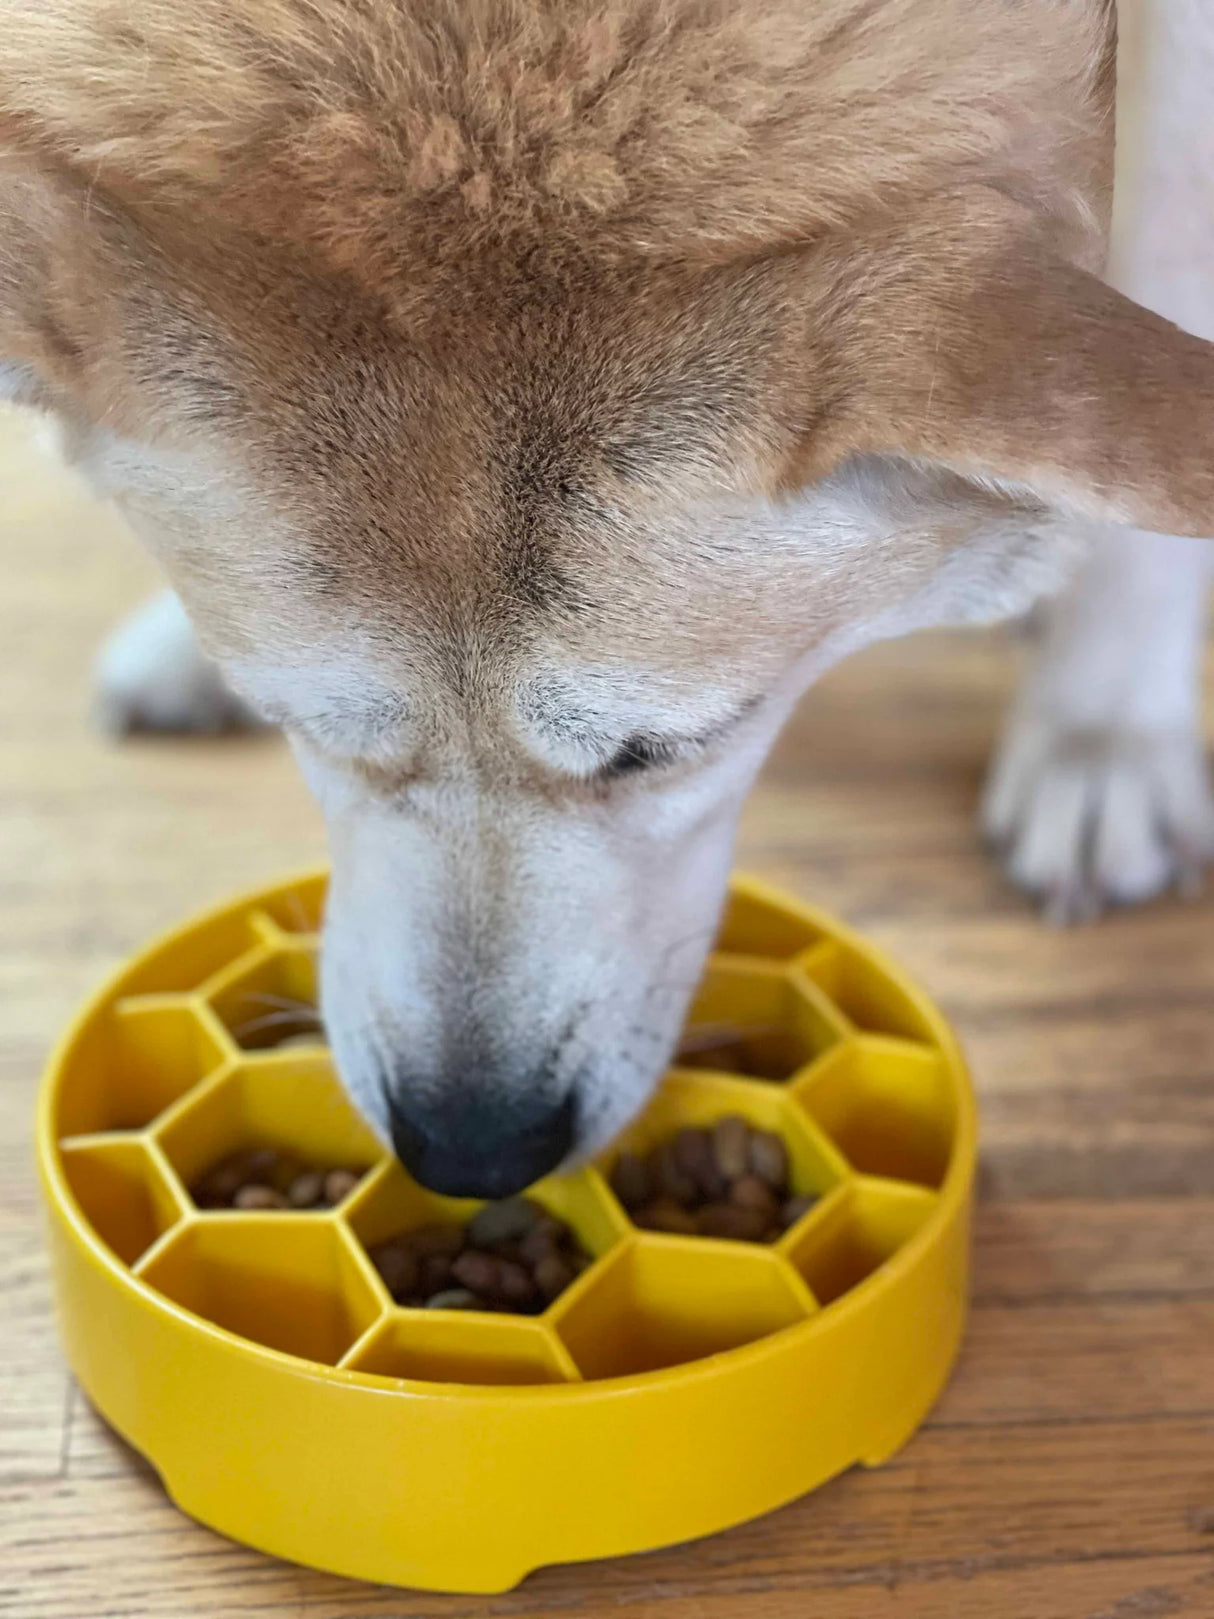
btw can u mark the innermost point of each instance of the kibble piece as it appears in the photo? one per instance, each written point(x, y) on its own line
point(795, 1207)
point(749, 1192)
point(731, 1146)
point(339, 1183)
point(507, 1221)
point(435, 1272)
point(306, 1190)
point(260, 1163)
point(477, 1270)
point(547, 1236)
point(552, 1276)
point(398, 1268)
point(220, 1185)
point(255, 1196)
point(515, 1284)
point(769, 1158)
point(630, 1181)
point(693, 1150)
point(689, 1147)
point(669, 1178)
point(664, 1214)
point(443, 1238)
point(454, 1298)
point(713, 1185)
point(729, 1220)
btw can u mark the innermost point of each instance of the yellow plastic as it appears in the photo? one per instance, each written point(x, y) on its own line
point(679, 1386)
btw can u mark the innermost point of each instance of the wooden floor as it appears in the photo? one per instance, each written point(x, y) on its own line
point(1069, 1471)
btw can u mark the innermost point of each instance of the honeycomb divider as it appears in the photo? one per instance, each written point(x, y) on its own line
point(445, 1346)
point(677, 1385)
point(271, 934)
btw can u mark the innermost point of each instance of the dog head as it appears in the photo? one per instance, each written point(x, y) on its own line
point(528, 405)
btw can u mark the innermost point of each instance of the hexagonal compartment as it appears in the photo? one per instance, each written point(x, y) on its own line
point(141, 1056)
point(865, 1223)
point(757, 927)
point(467, 1347)
point(754, 1018)
point(294, 1104)
point(662, 1301)
point(290, 1284)
point(870, 1000)
point(125, 1192)
point(267, 997)
point(392, 1203)
point(887, 1105)
point(700, 1099)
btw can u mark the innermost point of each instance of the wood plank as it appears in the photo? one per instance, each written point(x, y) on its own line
point(1067, 1249)
point(34, 1382)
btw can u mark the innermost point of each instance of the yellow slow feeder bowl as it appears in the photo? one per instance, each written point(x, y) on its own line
point(680, 1385)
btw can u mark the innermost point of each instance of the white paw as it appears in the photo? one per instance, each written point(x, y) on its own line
point(152, 675)
point(1088, 817)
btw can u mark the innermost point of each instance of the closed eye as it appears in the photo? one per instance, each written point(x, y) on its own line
point(642, 753)
point(573, 741)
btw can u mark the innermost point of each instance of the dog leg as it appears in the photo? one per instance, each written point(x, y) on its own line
point(152, 675)
point(1101, 790)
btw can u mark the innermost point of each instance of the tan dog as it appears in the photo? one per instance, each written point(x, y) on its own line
point(528, 398)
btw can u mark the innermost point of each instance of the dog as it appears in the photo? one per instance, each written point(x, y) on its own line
point(528, 399)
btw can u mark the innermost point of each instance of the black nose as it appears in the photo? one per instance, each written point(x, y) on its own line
point(480, 1146)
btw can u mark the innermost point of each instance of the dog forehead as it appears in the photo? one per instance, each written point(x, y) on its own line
point(509, 458)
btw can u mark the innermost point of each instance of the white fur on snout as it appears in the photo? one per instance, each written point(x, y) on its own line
point(153, 675)
point(570, 928)
point(573, 935)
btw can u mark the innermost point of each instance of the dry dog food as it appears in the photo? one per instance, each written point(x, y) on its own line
point(512, 1256)
point(727, 1181)
point(265, 1178)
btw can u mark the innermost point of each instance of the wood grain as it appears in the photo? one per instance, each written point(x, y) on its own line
point(1068, 1473)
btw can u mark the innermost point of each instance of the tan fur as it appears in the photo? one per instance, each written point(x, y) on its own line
point(385, 133)
point(443, 157)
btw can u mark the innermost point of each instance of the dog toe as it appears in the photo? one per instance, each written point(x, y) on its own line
point(1088, 818)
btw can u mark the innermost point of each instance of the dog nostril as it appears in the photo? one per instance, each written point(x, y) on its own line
point(482, 1147)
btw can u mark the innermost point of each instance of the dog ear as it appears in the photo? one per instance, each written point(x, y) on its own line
point(971, 346)
point(40, 243)
point(67, 258)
